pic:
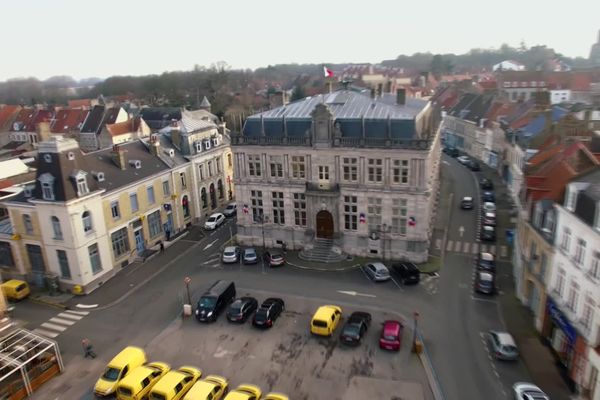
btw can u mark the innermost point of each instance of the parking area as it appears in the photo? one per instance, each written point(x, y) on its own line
point(289, 359)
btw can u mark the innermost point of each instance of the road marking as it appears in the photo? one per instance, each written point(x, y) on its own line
point(397, 284)
point(466, 247)
point(483, 248)
point(86, 305)
point(475, 248)
point(84, 313)
point(53, 326)
point(461, 230)
point(457, 246)
point(445, 162)
point(438, 243)
point(62, 321)
point(70, 316)
point(210, 244)
point(211, 260)
point(449, 245)
point(353, 293)
point(483, 300)
point(46, 333)
point(493, 249)
point(503, 251)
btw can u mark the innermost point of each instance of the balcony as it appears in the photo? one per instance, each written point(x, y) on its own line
point(323, 189)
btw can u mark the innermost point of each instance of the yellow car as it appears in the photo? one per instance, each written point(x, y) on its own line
point(213, 387)
point(122, 364)
point(137, 384)
point(276, 396)
point(325, 320)
point(175, 384)
point(15, 289)
point(245, 392)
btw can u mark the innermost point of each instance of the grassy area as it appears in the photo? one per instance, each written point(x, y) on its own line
point(433, 264)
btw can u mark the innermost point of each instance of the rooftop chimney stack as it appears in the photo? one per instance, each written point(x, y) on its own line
point(43, 131)
point(400, 97)
point(118, 157)
point(154, 145)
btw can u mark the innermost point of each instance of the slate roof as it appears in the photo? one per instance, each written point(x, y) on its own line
point(159, 117)
point(192, 121)
point(68, 120)
point(537, 125)
point(472, 107)
point(93, 121)
point(205, 103)
point(111, 116)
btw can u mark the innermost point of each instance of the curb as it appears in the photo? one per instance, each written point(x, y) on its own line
point(49, 303)
point(323, 269)
point(434, 384)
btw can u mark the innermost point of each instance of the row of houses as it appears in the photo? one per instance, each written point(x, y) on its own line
point(549, 156)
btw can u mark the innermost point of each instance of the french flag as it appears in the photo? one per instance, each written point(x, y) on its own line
point(327, 72)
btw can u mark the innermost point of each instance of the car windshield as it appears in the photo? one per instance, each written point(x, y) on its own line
point(352, 330)
point(276, 256)
point(229, 252)
point(389, 337)
point(207, 302)
point(261, 314)
point(235, 308)
point(250, 253)
point(318, 322)
point(510, 349)
point(212, 219)
point(111, 374)
point(230, 207)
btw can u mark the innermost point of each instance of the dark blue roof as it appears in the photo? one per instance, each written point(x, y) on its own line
point(537, 125)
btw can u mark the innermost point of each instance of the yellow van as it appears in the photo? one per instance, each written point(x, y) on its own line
point(276, 396)
point(245, 392)
point(138, 383)
point(15, 289)
point(175, 384)
point(122, 364)
point(213, 387)
point(325, 320)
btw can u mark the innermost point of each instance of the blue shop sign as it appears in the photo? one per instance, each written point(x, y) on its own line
point(559, 319)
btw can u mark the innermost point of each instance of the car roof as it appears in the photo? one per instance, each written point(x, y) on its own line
point(486, 256)
point(490, 214)
point(391, 327)
point(230, 248)
point(250, 249)
point(231, 205)
point(505, 338)
point(489, 204)
point(486, 276)
point(215, 215)
point(378, 265)
point(488, 228)
point(324, 312)
point(468, 198)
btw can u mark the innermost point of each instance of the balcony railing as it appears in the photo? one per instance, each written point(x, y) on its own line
point(331, 189)
point(413, 144)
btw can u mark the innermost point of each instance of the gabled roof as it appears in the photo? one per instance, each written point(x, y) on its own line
point(80, 103)
point(23, 119)
point(111, 115)
point(41, 116)
point(7, 114)
point(125, 127)
point(537, 124)
point(205, 103)
point(472, 107)
point(159, 117)
point(499, 109)
point(192, 121)
point(68, 120)
point(93, 122)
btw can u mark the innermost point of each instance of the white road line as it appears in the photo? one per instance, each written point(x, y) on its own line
point(449, 245)
point(84, 313)
point(466, 247)
point(397, 284)
point(457, 246)
point(70, 316)
point(493, 249)
point(46, 333)
point(483, 300)
point(86, 305)
point(503, 251)
point(483, 248)
point(62, 321)
point(53, 326)
point(475, 248)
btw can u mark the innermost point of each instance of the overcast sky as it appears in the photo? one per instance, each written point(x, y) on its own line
point(43, 38)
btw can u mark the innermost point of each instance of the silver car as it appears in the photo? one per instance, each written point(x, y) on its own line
point(377, 272)
point(528, 391)
point(503, 346)
point(231, 254)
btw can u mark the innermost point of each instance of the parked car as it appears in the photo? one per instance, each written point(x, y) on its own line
point(269, 311)
point(241, 309)
point(464, 160)
point(528, 391)
point(15, 289)
point(245, 392)
point(214, 300)
point(451, 151)
point(391, 335)
point(230, 210)
point(488, 206)
point(214, 221)
point(212, 387)
point(407, 272)
point(485, 282)
point(489, 218)
point(276, 396)
point(250, 256)
point(325, 320)
point(488, 196)
point(274, 259)
point(486, 262)
point(466, 203)
point(355, 327)
point(503, 345)
point(231, 254)
point(126, 361)
point(377, 272)
point(138, 383)
point(488, 233)
point(473, 165)
point(175, 384)
point(486, 184)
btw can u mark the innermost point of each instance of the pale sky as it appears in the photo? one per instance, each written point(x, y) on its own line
point(43, 38)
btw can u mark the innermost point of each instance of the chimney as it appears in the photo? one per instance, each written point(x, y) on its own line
point(43, 131)
point(154, 145)
point(595, 145)
point(400, 97)
point(380, 90)
point(118, 157)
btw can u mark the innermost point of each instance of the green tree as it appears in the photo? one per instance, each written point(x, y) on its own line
point(298, 93)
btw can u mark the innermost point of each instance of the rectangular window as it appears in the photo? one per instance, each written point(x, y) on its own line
point(560, 282)
point(229, 160)
point(257, 205)
point(588, 312)
point(120, 242)
point(63, 262)
point(350, 213)
point(134, 202)
point(254, 165)
point(47, 191)
point(323, 172)
point(276, 167)
point(298, 167)
point(299, 209)
point(566, 240)
point(114, 209)
point(95, 258)
point(573, 296)
point(150, 193)
point(182, 179)
point(400, 172)
point(28, 224)
point(218, 164)
point(201, 171)
point(375, 170)
point(580, 251)
point(210, 170)
point(374, 213)
point(595, 267)
point(166, 188)
point(278, 208)
point(82, 187)
point(399, 216)
point(350, 167)
point(154, 224)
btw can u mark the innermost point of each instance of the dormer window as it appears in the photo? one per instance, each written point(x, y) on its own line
point(47, 183)
point(48, 158)
point(80, 178)
point(71, 156)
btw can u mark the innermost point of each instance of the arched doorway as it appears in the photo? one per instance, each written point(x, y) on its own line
point(213, 196)
point(324, 224)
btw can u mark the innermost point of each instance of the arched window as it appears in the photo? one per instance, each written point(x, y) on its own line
point(86, 217)
point(220, 188)
point(186, 206)
point(56, 228)
point(204, 198)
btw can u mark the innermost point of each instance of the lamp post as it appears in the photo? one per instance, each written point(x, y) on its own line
point(414, 342)
point(187, 281)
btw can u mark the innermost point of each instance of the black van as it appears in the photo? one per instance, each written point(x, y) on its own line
point(210, 305)
point(407, 272)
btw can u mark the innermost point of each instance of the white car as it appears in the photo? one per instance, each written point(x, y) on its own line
point(231, 254)
point(230, 210)
point(464, 160)
point(489, 207)
point(528, 391)
point(377, 272)
point(214, 221)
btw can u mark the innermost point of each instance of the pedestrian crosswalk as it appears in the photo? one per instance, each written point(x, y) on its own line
point(60, 323)
point(458, 246)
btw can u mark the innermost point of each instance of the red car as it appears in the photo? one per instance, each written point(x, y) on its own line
point(391, 335)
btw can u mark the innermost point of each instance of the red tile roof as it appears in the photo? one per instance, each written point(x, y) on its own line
point(7, 113)
point(581, 82)
point(23, 119)
point(122, 128)
point(81, 103)
point(68, 120)
point(40, 116)
point(499, 109)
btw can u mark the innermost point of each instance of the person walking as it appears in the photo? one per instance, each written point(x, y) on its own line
point(87, 349)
